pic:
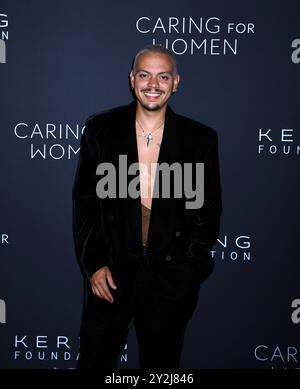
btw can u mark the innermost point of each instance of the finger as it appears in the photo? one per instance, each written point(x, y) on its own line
point(96, 287)
point(102, 289)
point(107, 295)
point(110, 280)
point(105, 292)
point(96, 292)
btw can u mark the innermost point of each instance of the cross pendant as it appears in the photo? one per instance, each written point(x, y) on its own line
point(149, 137)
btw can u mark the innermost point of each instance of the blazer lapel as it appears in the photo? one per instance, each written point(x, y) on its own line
point(130, 208)
point(163, 210)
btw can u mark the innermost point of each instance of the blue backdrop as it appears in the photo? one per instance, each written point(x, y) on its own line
point(240, 66)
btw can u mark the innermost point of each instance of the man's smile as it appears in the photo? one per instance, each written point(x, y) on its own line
point(152, 93)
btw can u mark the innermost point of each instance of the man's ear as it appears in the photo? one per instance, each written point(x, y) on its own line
point(131, 76)
point(176, 82)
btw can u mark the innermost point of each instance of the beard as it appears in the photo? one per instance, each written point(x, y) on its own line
point(152, 109)
point(148, 106)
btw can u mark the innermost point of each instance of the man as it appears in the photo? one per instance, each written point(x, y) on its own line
point(144, 257)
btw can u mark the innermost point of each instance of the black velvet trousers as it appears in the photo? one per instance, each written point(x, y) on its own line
point(160, 323)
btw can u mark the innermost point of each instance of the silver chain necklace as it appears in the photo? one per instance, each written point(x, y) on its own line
point(148, 134)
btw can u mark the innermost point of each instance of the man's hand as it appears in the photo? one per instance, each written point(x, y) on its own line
point(100, 281)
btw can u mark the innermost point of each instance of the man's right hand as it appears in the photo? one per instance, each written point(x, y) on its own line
point(100, 282)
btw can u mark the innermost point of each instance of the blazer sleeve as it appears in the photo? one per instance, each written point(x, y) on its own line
point(90, 244)
point(206, 224)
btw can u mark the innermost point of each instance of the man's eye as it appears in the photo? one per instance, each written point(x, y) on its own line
point(143, 75)
point(164, 77)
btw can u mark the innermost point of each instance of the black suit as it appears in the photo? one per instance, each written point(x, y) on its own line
point(163, 286)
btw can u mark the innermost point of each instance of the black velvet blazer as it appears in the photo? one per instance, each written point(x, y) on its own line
point(109, 231)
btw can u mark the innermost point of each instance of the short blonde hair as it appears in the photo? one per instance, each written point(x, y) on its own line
point(157, 48)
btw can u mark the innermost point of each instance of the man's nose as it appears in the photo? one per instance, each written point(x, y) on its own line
point(153, 82)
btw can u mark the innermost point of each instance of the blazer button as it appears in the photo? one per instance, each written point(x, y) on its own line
point(111, 217)
point(177, 234)
point(168, 258)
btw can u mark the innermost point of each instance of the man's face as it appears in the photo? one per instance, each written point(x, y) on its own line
point(154, 82)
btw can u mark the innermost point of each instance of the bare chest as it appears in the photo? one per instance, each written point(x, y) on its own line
point(148, 157)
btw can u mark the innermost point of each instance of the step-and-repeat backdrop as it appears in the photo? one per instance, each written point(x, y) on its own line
point(62, 61)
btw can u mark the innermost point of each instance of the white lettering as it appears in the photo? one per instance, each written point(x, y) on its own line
point(17, 341)
point(138, 25)
point(286, 135)
point(3, 21)
point(261, 134)
point(62, 340)
point(41, 341)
